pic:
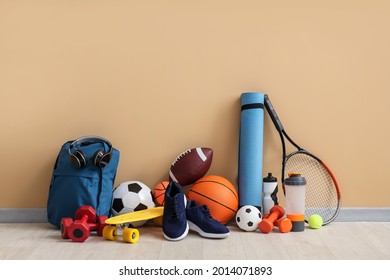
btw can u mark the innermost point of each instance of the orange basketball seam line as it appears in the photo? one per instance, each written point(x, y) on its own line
point(214, 201)
point(159, 195)
point(208, 181)
point(158, 187)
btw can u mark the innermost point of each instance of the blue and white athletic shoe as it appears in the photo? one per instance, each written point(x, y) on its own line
point(200, 220)
point(175, 226)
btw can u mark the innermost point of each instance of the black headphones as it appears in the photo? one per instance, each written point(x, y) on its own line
point(100, 158)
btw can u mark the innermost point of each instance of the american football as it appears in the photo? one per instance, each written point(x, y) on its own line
point(191, 165)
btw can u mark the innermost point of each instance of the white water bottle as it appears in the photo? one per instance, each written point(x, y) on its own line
point(270, 189)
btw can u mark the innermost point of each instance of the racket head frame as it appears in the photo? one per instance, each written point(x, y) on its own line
point(283, 134)
point(328, 216)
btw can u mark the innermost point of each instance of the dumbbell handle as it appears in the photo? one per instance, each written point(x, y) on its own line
point(272, 217)
point(84, 219)
point(266, 217)
point(276, 222)
point(98, 225)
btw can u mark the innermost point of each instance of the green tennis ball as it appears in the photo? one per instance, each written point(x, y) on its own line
point(315, 221)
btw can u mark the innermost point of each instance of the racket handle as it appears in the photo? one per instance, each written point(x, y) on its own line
point(272, 113)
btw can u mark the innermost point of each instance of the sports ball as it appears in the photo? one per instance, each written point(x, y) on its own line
point(248, 218)
point(315, 221)
point(191, 165)
point(129, 197)
point(158, 193)
point(218, 194)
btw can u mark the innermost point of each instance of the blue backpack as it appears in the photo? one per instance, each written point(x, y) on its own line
point(84, 174)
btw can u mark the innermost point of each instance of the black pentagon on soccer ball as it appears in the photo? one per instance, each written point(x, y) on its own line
point(134, 187)
point(248, 210)
point(140, 207)
point(250, 224)
point(238, 219)
point(117, 204)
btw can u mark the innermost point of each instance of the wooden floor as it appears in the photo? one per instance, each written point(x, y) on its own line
point(351, 240)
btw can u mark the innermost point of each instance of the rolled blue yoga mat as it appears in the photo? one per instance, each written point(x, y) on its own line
point(250, 161)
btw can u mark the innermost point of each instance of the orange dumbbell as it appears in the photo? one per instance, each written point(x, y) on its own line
point(267, 224)
point(284, 225)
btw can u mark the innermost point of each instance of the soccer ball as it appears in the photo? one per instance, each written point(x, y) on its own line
point(129, 197)
point(248, 218)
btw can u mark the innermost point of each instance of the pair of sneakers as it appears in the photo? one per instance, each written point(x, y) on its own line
point(180, 216)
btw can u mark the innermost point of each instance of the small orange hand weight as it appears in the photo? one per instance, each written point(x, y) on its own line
point(284, 225)
point(266, 225)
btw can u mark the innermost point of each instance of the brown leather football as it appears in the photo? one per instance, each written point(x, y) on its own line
point(191, 165)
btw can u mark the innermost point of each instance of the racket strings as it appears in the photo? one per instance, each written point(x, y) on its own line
point(321, 191)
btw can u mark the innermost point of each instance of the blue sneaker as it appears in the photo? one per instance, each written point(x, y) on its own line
point(174, 225)
point(200, 220)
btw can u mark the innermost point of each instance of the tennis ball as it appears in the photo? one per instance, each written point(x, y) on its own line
point(315, 221)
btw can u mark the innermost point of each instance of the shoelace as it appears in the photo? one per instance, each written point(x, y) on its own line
point(206, 211)
point(176, 210)
point(181, 155)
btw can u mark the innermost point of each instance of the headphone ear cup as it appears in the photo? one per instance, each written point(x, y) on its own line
point(78, 159)
point(97, 158)
point(101, 158)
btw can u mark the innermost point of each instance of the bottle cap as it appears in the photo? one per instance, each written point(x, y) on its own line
point(269, 178)
point(295, 179)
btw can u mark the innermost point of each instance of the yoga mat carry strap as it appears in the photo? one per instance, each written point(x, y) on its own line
point(250, 162)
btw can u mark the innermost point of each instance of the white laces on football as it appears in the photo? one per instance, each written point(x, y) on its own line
point(181, 155)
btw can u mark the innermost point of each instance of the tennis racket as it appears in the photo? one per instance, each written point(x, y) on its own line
point(322, 191)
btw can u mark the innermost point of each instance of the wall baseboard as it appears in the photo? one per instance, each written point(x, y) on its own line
point(347, 214)
point(23, 215)
point(364, 214)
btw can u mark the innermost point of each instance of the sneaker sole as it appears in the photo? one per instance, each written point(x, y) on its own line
point(206, 234)
point(180, 237)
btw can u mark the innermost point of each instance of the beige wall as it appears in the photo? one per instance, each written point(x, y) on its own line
point(157, 77)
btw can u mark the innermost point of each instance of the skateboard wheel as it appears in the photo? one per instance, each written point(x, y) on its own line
point(109, 233)
point(88, 211)
point(130, 235)
point(101, 224)
point(65, 223)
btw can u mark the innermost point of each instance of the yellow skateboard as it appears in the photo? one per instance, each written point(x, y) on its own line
point(118, 225)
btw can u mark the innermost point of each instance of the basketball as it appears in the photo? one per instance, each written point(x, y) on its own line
point(218, 194)
point(158, 193)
